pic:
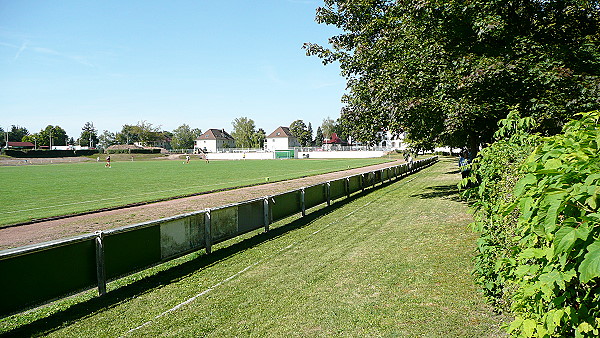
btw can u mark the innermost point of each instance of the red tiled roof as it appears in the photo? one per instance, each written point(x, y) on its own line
point(20, 144)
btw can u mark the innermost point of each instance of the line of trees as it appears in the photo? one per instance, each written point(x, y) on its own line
point(244, 131)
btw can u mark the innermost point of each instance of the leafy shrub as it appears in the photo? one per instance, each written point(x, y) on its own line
point(539, 251)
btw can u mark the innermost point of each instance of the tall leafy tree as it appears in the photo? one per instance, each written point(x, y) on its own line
point(2, 137)
point(184, 136)
point(328, 127)
point(309, 131)
point(56, 133)
point(299, 129)
point(143, 132)
point(259, 138)
point(448, 71)
point(243, 132)
point(107, 139)
point(89, 135)
point(16, 133)
point(127, 135)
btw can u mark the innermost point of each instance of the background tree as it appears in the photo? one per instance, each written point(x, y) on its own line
point(328, 127)
point(243, 132)
point(89, 135)
point(319, 137)
point(184, 136)
point(143, 132)
point(106, 139)
point(447, 72)
point(3, 137)
point(147, 134)
point(309, 131)
point(127, 135)
point(299, 129)
point(16, 133)
point(259, 138)
point(59, 136)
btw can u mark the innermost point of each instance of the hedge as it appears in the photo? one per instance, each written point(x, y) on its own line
point(537, 214)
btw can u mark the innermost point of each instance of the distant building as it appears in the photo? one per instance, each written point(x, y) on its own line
point(281, 139)
point(214, 140)
point(164, 143)
point(334, 142)
point(392, 141)
point(20, 145)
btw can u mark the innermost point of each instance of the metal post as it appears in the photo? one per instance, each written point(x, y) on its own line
point(362, 182)
point(100, 268)
point(347, 187)
point(302, 205)
point(207, 233)
point(267, 220)
point(328, 193)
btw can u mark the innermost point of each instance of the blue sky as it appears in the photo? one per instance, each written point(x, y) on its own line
point(202, 63)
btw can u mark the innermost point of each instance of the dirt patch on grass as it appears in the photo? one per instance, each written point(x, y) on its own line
point(17, 236)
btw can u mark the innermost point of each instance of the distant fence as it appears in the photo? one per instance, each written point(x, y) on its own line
point(36, 274)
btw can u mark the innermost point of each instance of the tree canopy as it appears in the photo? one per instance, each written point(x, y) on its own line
point(56, 133)
point(244, 131)
point(447, 71)
point(184, 136)
point(89, 135)
point(300, 130)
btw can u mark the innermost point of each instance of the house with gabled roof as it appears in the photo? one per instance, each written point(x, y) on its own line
point(281, 139)
point(214, 140)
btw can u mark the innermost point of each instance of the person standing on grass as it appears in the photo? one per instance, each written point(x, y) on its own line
point(107, 165)
point(463, 165)
point(187, 158)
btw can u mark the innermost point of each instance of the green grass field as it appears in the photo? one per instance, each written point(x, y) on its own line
point(395, 262)
point(38, 191)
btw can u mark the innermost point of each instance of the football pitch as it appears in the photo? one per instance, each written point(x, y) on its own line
point(40, 191)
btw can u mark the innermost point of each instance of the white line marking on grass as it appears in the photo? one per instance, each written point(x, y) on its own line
point(189, 300)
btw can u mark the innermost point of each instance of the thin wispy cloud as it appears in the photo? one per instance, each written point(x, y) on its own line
point(26, 45)
point(272, 75)
point(21, 49)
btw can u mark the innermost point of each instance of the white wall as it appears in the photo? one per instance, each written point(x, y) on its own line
point(341, 154)
point(311, 154)
point(277, 143)
point(240, 156)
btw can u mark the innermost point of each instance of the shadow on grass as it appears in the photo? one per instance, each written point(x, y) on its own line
point(86, 308)
point(172, 274)
point(441, 191)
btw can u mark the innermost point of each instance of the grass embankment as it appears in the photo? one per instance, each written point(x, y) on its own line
point(395, 262)
point(39, 191)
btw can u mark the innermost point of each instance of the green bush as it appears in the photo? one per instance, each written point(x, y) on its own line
point(539, 250)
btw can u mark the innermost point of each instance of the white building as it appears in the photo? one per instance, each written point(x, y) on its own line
point(214, 140)
point(281, 139)
point(391, 141)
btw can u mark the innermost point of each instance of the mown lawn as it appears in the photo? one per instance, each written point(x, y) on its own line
point(38, 191)
point(395, 262)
